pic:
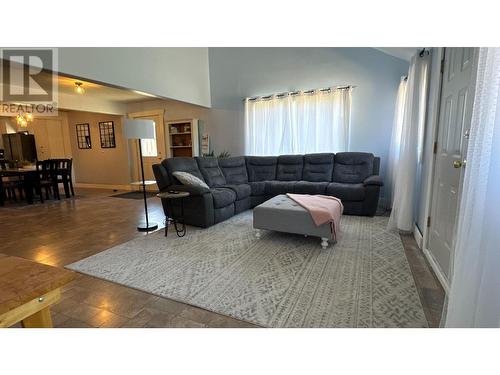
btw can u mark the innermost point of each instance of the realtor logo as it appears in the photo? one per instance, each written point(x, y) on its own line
point(28, 79)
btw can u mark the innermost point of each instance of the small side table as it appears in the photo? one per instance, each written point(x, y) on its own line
point(171, 217)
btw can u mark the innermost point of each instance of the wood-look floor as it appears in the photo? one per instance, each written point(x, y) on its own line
point(61, 232)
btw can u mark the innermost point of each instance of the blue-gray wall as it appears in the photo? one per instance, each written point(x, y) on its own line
point(236, 73)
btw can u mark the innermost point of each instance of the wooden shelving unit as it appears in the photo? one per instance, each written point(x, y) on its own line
point(183, 138)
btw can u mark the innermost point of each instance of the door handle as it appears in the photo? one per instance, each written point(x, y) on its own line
point(457, 164)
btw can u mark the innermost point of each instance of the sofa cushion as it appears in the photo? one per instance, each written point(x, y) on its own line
point(261, 168)
point(188, 179)
point(242, 190)
point(307, 187)
point(279, 187)
point(209, 168)
point(346, 192)
point(258, 187)
point(223, 197)
point(183, 164)
point(318, 167)
point(352, 167)
point(289, 167)
point(234, 169)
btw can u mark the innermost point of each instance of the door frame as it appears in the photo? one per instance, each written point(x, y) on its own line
point(429, 186)
point(133, 147)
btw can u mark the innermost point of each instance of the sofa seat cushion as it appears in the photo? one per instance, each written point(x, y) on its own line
point(279, 187)
point(307, 187)
point(258, 187)
point(242, 190)
point(234, 169)
point(352, 167)
point(223, 197)
point(346, 192)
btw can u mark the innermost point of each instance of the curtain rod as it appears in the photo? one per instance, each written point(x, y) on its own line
point(297, 92)
point(424, 52)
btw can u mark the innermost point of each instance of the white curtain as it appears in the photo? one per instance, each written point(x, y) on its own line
point(298, 124)
point(406, 161)
point(474, 297)
point(397, 127)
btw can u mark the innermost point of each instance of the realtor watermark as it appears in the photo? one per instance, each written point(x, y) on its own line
point(28, 81)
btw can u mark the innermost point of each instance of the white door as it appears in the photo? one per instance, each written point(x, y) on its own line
point(153, 150)
point(457, 94)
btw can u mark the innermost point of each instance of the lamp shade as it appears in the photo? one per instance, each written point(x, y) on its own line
point(138, 129)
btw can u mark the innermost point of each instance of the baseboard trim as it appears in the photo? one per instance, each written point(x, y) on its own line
point(103, 186)
point(418, 236)
point(437, 270)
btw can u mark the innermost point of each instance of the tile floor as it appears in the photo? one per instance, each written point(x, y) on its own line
point(61, 232)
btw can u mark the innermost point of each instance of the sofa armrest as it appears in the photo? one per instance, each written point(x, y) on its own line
point(373, 180)
point(193, 190)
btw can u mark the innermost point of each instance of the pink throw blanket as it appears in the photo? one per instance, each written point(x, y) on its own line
point(323, 209)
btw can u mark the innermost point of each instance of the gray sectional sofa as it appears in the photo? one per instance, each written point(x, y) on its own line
point(240, 183)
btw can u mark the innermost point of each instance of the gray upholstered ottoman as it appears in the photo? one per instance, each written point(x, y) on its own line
point(282, 214)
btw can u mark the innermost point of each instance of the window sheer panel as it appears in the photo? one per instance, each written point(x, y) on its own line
point(298, 124)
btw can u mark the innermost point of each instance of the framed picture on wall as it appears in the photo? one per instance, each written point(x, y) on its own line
point(107, 134)
point(83, 136)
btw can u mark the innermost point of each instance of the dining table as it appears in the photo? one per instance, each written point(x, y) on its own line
point(28, 176)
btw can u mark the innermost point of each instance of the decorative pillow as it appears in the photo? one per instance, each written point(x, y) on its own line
point(188, 179)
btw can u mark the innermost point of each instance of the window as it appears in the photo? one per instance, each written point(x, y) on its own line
point(107, 134)
point(83, 136)
point(149, 148)
point(298, 123)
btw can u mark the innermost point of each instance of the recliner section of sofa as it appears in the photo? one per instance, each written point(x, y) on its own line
point(239, 183)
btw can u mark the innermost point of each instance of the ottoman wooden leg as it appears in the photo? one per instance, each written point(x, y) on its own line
point(324, 242)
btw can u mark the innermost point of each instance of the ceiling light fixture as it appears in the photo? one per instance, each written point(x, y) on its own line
point(78, 88)
point(22, 119)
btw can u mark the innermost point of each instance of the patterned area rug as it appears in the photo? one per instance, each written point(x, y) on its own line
point(280, 280)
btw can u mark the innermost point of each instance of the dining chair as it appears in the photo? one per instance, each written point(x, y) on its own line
point(46, 178)
point(11, 183)
point(63, 173)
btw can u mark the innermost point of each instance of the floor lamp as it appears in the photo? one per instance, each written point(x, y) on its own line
point(141, 129)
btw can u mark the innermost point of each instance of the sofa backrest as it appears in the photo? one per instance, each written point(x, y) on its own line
point(209, 168)
point(182, 164)
point(289, 167)
point(161, 176)
point(318, 167)
point(352, 167)
point(261, 168)
point(234, 170)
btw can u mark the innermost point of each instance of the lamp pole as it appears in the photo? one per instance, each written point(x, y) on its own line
point(154, 226)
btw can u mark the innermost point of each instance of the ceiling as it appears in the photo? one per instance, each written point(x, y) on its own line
point(66, 85)
point(403, 53)
point(93, 91)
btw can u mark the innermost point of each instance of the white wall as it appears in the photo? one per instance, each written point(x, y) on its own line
point(102, 166)
point(236, 73)
point(217, 122)
point(176, 73)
